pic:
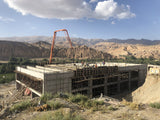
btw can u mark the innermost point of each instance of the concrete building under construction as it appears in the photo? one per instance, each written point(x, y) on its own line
point(91, 80)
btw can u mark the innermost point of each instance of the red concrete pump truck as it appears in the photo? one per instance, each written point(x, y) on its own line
point(53, 42)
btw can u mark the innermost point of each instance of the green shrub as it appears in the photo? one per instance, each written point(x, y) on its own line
point(45, 97)
point(83, 101)
point(112, 108)
point(155, 105)
point(64, 95)
point(54, 104)
point(96, 102)
point(93, 103)
point(21, 106)
point(79, 98)
point(6, 78)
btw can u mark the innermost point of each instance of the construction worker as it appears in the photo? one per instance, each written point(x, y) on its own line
point(95, 65)
point(103, 62)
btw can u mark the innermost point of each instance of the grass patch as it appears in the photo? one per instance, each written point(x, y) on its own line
point(85, 102)
point(59, 115)
point(60, 95)
point(22, 106)
point(54, 104)
point(6, 78)
point(82, 100)
point(132, 105)
point(79, 98)
point(93, 104)
point(112, 108)
point(45, 97)
point(155, 105)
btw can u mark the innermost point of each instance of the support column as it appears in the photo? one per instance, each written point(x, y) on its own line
point(90, 86)
point(105, 85)
point(15, 80)
point(119, 90)
point(129, 81)
point(141, 76)
point(18, 86)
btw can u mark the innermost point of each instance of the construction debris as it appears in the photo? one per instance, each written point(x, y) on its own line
point(44, 107)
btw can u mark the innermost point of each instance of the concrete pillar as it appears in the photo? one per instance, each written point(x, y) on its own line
point(15, 79)
point(141, 77)
point(129, 81)
point(105, 85)
point(119, 90)
point(90, 87)
point(18, 86)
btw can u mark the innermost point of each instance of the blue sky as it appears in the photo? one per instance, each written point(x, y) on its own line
point(104, 19)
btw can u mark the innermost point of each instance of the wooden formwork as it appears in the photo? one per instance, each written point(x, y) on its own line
point(93, 80)
point(31, 82)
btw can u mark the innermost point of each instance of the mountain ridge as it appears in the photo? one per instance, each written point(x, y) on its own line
point(42, 50)
point(81, 41)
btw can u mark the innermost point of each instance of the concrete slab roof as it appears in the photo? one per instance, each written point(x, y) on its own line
point(62, 68)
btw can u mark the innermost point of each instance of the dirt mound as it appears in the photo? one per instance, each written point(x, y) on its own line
point(149, 92)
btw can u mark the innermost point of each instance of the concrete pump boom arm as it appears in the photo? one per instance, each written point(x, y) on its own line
point(53, 42)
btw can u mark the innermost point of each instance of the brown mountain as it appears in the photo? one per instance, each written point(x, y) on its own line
point(81, 41)
point(116, 47)
point(42, 50)
point(20, 49)
point(62, 49)
point(119, 50)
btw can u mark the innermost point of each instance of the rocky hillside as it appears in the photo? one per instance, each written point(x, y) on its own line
point(42, 50)
point(19, 49)
point(116, 49)
point(135, 41)
point(62, 49)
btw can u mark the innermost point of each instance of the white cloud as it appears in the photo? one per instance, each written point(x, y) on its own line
point(92, 1)
point(113, 23)
point(6, 19)
point(71, 9)
point(110, 9)
point(60, 9)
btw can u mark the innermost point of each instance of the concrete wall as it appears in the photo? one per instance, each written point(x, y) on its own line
point(58, 82)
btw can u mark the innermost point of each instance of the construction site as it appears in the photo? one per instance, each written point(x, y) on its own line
point(94, 90)
point(89, 79)
point(107, 79)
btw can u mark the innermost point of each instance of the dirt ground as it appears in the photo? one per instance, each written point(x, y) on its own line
point(122, 111)
point(149, 92)
point(5, 90)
